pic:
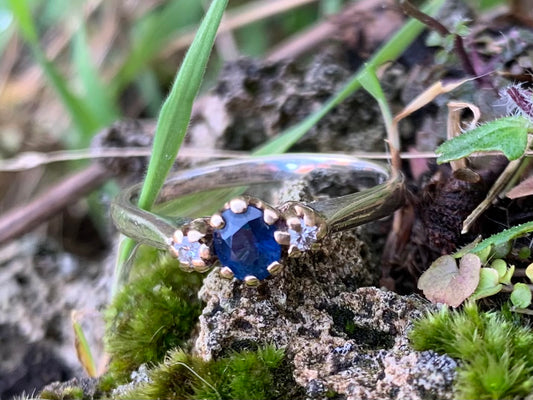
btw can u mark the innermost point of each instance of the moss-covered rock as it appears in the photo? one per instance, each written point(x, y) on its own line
point(155, 312)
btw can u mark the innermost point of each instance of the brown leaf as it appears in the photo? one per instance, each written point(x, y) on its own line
point(523, 189)
point(444, 283)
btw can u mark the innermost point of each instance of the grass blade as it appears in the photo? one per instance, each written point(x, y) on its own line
point(82, 117)
point(153, 32)
point(174, 117)
point(96, 95)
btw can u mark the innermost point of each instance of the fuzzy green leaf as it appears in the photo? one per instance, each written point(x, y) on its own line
point(488, 284)
point(444, 283)
point(521, 295)
point(96, 96)
point(508, 135)
point(502, 237)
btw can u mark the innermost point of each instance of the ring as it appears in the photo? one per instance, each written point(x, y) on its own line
point(248, 238)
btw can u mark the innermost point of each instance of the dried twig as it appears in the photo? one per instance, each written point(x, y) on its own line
point(23, 219)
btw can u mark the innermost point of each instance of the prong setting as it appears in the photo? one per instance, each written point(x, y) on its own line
point(251, 280)
point(238, 205)
point(275, 268)
point(226, 273)
point(189, 245)
point(304, 226)
point(283, 238)
point(216, 221)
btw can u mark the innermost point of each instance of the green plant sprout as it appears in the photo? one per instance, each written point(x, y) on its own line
point(510, 136)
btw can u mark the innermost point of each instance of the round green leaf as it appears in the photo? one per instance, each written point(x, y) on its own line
point(521, 295)
point(488, 284)
point(500, 266)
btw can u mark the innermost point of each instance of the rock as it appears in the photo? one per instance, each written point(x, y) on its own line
point(341, 339)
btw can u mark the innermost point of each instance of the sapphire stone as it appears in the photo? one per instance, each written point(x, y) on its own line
point(246, 243)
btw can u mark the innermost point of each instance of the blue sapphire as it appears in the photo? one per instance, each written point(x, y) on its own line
point(246, 243)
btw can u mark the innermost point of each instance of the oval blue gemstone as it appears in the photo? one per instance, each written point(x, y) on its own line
point(246, 244)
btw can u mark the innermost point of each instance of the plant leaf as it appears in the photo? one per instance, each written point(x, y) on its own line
point(83, 350)
point(502, 237)
point(176, 111)
point(521, 295)
point(508, 135)
point(529, 272)
point(506, 278)
point(174, 119)
point(444, 283)
point(488, 284)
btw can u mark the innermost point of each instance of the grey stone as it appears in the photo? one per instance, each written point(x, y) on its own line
point(341, 339)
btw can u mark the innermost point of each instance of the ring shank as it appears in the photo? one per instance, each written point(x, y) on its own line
point(343, 212)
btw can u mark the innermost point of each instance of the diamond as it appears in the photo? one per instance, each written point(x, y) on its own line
point(187, 251)
point(246, 243)
point(304, 237)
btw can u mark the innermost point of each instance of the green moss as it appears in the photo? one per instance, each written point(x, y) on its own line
point(252, 375)
point(106, 383)
point(494, 349)
point(155, 312)
point(66, 393)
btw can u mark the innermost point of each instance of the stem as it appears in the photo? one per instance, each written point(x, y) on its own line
point(432, 23)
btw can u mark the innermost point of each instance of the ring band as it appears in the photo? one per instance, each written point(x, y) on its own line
point(248, 237)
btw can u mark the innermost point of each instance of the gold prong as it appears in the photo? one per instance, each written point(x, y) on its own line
point(186, 267)
point(177, 236)
point(199, 265)
point(309, 219)
point(173, 252)
point(275, 268)
point(226, 273)
point(299, 210)
point(238, 205)
point(283, 238)
point(251, 280)
point(270, 216)
point(217, 221)
point(205, 252)
point(294, 224)
point(253, 201)
point(194, 235)
point(294, 252)
point(322, 231)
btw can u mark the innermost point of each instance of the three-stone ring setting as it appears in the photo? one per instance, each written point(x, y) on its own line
point(248, 238)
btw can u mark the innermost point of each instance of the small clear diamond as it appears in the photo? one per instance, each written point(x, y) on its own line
point(304, 239)
point(187, 251)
